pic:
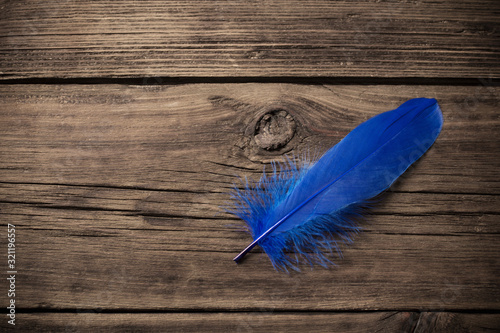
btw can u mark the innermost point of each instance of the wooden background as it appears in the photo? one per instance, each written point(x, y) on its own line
point(124, 124)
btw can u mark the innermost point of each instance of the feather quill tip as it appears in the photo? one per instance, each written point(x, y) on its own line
point(301, 212)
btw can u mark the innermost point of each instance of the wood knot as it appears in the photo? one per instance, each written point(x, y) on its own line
point(274, 130)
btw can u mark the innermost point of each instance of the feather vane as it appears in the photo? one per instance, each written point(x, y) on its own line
point(302, 210)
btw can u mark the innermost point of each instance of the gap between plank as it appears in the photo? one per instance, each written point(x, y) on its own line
point(250, 310)
point(318, 80)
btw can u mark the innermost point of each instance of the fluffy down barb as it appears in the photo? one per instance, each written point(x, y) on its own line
point(312, 242)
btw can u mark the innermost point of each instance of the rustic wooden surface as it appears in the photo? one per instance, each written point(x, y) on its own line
point(116, 192)
point(266, 321)
point(119, 143)
point(372, 38)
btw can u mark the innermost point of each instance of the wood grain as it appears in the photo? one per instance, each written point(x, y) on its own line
point(87, 261)
point(430, 322)
point(141, 39)
point(116, 193)
point(116, 190)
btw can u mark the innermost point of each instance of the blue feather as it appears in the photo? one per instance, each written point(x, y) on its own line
point(301, 211)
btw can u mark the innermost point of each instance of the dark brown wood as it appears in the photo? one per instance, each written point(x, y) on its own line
point(263, 321)
point(141, 39)
point(116, 192)
point(200, 138)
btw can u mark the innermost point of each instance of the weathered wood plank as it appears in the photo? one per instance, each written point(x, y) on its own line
point(199, 138)
point(116, 193)
point(260, 322)
point(85, 268)
point(199, 206)
point(75, 39)
point(86, 259)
